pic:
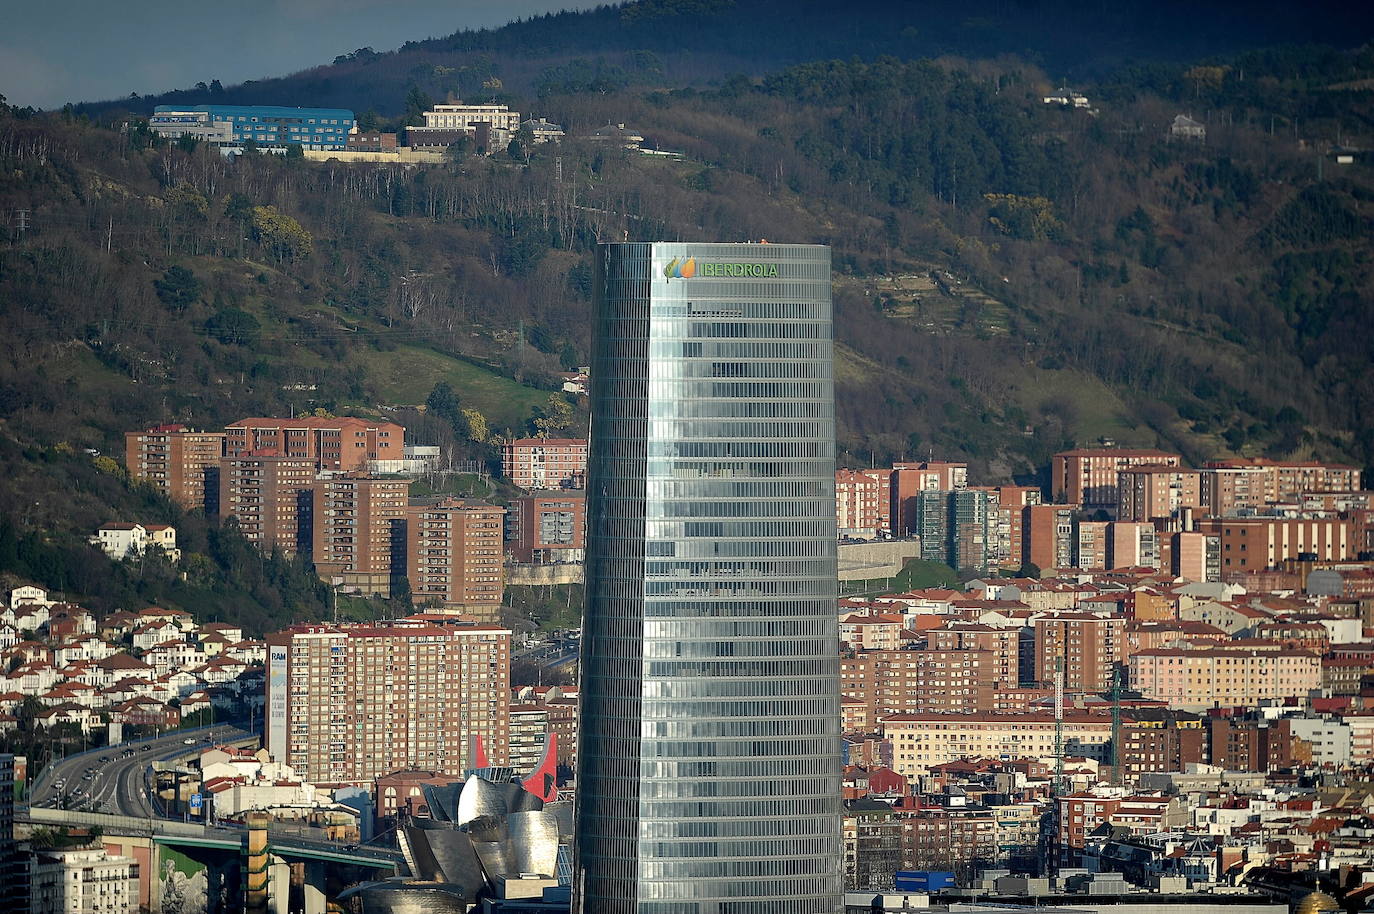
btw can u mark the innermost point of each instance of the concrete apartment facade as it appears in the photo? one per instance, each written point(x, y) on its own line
point(1003, 645)
point(1047, 536)
point(1228, 491)
point(545, 463)
point(911, 478)
point(548, 527)
point(179, 461)
point(1090, 545)
point(920, 741)
point(340, 444)
point(1087, 477)
point(271, 497)
point(358, 535)
point(1257, 543)
point(1222, 677)
point(1089, 645)
point(1149, 492)
point(863, 503)
point(1006, 523)
point(1132, 544)
point(529, 735)
point(1286, 480)
point(911, 681)
point(454, 554)
point(82, 881)
point(349, 703)
point(1195, 556)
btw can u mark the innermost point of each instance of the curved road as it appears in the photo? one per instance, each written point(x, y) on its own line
point(117, 781)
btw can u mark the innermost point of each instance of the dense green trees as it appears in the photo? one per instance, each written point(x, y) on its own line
point(178, 287)
point(232, 579)
point(1093, 277)
point(281, 234)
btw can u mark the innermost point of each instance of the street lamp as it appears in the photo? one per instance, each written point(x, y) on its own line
point(334, 584)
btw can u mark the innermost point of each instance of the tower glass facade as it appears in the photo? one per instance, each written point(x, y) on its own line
point(708, 757)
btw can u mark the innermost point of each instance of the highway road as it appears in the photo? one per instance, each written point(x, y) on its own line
point(112, 779)
point(551, 654)
point(543, 650)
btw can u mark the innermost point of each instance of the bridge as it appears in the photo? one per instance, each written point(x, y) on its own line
point(191, 835)
point(236, 860)
point(113, 783)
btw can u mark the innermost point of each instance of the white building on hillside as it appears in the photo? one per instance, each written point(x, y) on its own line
point(119, 540)
point(459, 116)
point(491, 127)
point(543, 130)
point(29, 595)
point(1067, 98)
point(1187, 128)
point(202, 125)
point(122, 540)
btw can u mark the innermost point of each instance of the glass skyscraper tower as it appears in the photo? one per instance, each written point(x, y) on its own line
point(708, 754)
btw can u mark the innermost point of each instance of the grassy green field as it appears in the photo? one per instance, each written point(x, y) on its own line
point(553, 607)
point(463, 485)
point(406, 375)
point(1097, 411)
point(917, 574)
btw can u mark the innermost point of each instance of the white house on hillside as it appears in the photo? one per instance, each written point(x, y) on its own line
point(121, 540)
point(28, 594)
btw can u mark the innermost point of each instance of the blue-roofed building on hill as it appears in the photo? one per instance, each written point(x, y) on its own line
point(269, 127)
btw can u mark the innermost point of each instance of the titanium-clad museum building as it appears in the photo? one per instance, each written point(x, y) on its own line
point(708, 756)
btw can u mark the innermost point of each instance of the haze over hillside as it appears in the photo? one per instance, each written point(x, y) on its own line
point(254, 39)
point(675, 42)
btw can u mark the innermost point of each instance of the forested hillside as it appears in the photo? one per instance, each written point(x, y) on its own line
point(1011, 277)
point(670, 43)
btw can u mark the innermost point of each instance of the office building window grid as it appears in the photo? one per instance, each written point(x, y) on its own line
point(709, 754)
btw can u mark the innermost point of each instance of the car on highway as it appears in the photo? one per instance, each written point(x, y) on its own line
point(189, 741)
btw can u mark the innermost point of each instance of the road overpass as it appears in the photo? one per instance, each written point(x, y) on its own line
point(224, 851)
point(220, 837)
point(114, 788)
point(117, 781)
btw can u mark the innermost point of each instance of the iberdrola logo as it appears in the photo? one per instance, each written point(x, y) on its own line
point(677, 268)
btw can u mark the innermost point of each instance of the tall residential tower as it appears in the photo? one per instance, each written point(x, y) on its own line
point(708, 760)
